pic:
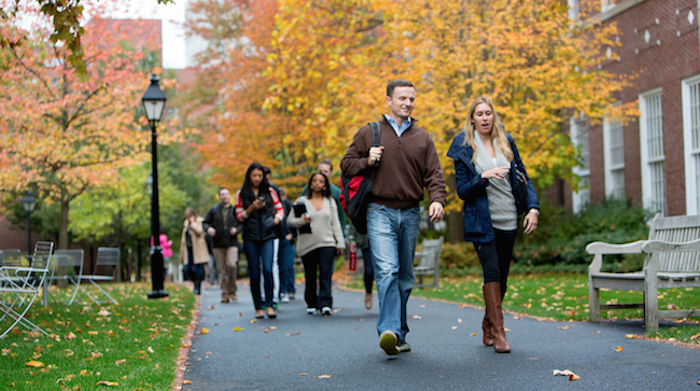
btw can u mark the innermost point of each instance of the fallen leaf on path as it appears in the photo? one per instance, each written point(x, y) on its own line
point(454, 327)
point(574, 377)
point(474, 334)
point(211, 307)
point(303, 374)
point(459, 320)
point(566, 372)
point(297, 333)
point(630, 335)
point(204, 330)
point(416, 317)
point(238, 328)
point(323, 377)
point(254, 321)
point(564, 327)
point(273, 328)
point(596, 331)
point(35, 364)
point(619, 349)
point(185, 381)
point(266, 331)
point(107, 383)
point(516, 317)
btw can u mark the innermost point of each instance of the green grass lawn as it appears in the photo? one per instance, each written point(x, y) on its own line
point(563, 297)
point(134, 343)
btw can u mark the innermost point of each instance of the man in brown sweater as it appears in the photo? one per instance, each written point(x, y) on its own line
point(409, 163)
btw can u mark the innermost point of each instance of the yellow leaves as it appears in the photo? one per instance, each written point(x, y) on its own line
point(619, 349)
point(204, 330)
point(238, 328)
point(35, 364)
point(107, 383)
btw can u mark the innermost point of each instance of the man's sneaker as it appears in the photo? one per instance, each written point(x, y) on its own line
point(389, 341)
point(291, 296)
point(285, 298)
point(311, 311)
point(326, 311)
point(404, 348)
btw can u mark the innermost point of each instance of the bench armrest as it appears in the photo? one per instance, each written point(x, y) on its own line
point(598, 249)
point(652, 246)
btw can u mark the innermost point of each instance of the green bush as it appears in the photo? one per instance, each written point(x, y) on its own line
point(562, 237)
point(458, 256)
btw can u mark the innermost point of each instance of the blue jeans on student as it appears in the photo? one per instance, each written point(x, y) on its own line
point(392, 237)
point(286, 259)
point(259, 253)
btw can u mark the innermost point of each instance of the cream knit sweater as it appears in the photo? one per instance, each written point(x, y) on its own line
point(325, 227)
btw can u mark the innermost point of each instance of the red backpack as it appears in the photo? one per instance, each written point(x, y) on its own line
point(355, 191)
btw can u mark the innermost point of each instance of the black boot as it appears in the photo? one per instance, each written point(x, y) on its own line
point(197, 286)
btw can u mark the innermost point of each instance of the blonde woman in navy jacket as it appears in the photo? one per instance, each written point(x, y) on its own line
point(485, 160)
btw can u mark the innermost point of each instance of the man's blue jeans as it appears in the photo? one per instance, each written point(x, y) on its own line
point(392, 237)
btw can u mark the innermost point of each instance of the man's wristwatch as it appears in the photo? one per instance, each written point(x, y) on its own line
point(535, 211)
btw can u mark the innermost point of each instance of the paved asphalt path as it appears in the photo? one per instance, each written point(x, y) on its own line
point(292, 351)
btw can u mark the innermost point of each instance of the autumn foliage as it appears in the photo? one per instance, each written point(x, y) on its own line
point(62, 134)
point(299, 77)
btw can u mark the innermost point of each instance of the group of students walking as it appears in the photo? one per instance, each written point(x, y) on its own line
point(487, 166)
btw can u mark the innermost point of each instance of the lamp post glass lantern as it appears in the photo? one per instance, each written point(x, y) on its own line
point(154, 102)
point(29, 203)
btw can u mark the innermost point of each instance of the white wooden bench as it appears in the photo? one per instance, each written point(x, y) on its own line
point(672, 261)
point(429, 262)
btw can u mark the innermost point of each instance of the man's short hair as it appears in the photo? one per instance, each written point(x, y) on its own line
point(326, 161)
point(397, 83)
point(223, 188)
point(266, 170)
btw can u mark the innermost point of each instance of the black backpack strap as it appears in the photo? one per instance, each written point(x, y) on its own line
point(376, 132)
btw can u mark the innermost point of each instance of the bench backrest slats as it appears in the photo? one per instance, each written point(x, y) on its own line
point(677, 229)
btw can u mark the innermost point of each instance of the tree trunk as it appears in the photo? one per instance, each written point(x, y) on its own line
point(63, 226)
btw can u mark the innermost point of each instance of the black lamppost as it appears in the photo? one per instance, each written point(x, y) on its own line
point(154, 102)
point(29, 203)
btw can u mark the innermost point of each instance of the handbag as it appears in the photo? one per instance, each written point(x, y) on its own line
point(520, 184)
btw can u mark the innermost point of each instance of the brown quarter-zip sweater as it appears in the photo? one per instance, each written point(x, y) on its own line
point(408, 164)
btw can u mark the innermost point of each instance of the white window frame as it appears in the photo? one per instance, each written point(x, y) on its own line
point(606, 5)
point(610, 167)
point(582, 197)
point(691, 148)
point(648, 199)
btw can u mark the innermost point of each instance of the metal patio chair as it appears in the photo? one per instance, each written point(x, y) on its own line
point(105, 270)
point(20, 286)
point(68, 266)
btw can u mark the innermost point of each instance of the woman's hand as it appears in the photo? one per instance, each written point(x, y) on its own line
point(258, 204)
point(277, 220)
point(340, 251)
point(234, 231)
point(211, 231)
point(498, 173)
point(530, 223)
point(307, 219)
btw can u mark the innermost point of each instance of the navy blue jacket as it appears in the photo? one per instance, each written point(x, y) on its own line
point(476, 224)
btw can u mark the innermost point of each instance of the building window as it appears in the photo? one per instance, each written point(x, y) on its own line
point(574, 9)
point(691, 143)
point(613, 142)
point(606, 5)
point(652, 144)
point(579, 138)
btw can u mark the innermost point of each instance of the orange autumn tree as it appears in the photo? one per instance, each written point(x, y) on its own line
point(60, 134)
point(226, 100)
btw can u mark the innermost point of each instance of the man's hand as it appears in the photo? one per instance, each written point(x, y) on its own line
point(340, 251)
point(353, 247)
point(211, 231)
point(234, 231)
point(530, 223)
point(375, 155)
point(436, 212)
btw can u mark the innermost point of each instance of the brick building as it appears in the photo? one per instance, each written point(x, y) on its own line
point(654, 160)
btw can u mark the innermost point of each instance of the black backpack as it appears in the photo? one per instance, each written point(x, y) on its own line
point(355, 191)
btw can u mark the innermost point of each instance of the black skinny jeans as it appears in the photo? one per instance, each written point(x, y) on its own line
point(320, 259)
point(495, 257)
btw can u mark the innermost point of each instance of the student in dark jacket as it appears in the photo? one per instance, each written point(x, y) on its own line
point(222, 226)
point(286, 252)
point(259, 208)
point(486, 160)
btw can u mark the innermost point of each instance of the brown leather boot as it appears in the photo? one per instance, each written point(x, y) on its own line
point(486, 326)
point(492, 297)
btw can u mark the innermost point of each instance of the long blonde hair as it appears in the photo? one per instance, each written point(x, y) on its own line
point(497, 132)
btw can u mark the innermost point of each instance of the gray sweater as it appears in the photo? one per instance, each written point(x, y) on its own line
point(504, 215)
point(325, 227)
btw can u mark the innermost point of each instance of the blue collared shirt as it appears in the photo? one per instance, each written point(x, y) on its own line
point(399, 130)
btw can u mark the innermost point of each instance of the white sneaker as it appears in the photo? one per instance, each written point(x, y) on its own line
point(311, 311)
point(326, 311)
point(285, 298)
